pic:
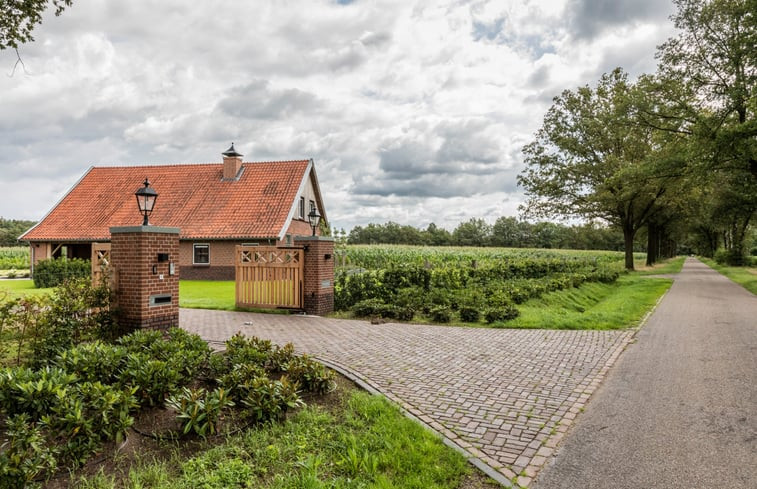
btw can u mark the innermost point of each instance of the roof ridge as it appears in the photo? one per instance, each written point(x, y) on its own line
point(158, 165)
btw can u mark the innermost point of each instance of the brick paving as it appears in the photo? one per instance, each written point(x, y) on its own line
point(506, 397)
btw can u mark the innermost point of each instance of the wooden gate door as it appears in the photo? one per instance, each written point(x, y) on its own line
point(269, 277)
point(100, 263)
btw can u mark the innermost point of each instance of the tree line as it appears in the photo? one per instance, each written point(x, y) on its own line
point(672, 154)
point(11, 229)
point(505, 232)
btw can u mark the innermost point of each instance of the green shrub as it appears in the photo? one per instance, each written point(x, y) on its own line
point(240, 350)
point(501, 313)
point(368, 308)
point(33, 392)
point(733, 258)
point(53, 272)
point(269, 400)
point(440, 314)
point(470, 314)
point(93, 362)
point(310, 375)
point(154, 380)
point(76, 312)
point(200, 411)
point(239, 378)
point(26, 454)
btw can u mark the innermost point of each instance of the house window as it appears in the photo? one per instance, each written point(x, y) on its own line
point(312, 205)
point(201, 254)
point(288, 240)
point(301, 209)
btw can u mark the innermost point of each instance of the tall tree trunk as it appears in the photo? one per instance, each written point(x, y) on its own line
point(628, 234)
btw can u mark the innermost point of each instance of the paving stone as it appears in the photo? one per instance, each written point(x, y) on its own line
point(489, 389)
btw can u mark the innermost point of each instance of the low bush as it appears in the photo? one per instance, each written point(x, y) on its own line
point(53, 272)
point(501, 313)
point(470, 314)
point(26, 455)
point(265, 399)
point(440, 314)
point(310, 375)
point(200, 411)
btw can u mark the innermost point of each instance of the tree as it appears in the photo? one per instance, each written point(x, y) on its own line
point(712, 64)
point(18, 18)
point(474, 232)
point(591, 159)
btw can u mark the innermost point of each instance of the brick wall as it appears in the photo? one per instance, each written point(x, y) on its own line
point(134, 252)
point(318, 279)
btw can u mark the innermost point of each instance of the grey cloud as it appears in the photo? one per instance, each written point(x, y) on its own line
point(257, 100)
point(589, 18)
point(539, 77)
point(442, 185)
point(466, 142)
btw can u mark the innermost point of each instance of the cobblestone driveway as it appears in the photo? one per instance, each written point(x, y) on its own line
point(504, 396)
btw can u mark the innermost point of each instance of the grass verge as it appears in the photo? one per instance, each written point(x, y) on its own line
point(744, 276)
point(360, 441)
point(667, 267)
point(593, 306)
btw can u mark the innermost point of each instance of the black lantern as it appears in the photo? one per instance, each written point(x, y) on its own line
point(314, 217)
point(146, 198)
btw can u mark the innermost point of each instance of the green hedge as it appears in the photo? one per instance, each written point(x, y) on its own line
point(53, 272)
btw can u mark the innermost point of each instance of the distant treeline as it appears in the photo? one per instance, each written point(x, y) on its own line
point(506, 232)
point(11, 229)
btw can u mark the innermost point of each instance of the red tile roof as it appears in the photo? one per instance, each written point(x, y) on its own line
point(193, 198)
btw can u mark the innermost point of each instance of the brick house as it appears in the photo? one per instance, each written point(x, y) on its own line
point(216, 206)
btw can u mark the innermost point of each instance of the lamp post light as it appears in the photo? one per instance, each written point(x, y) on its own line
point(314, 217)
point(146, 198)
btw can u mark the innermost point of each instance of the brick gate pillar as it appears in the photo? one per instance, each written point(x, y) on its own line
point(318, 275)
point(146, 261)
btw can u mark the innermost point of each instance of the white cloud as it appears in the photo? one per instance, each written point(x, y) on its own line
point(413, 111)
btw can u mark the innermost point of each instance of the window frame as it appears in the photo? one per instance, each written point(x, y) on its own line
point(301, 208)
point(195, 246)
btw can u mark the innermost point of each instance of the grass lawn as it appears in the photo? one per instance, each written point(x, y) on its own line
point(19, 287)
point(207, 294)
point(744, 276)
point(355, 441)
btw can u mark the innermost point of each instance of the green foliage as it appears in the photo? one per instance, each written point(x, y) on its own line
point(54, 271)
point(19, 20)
point(502, 313)
point(13, 257)
point(411, 279)
point(74, 313)
point(95, 361)
point(440, 314)
point(153, 379)
point(26, 455)
point(265, 399)
point(199, 410)
point(310, 375)
point(732, 257)
point(33, 392)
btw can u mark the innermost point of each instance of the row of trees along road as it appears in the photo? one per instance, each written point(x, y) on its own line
point(674, 152)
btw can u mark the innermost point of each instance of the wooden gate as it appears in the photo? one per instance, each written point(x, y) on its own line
point(269, 277)
point(101, 264)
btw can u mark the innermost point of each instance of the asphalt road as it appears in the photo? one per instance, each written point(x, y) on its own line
point(679, 409)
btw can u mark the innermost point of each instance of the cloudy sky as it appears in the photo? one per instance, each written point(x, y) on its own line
point(413, 111)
